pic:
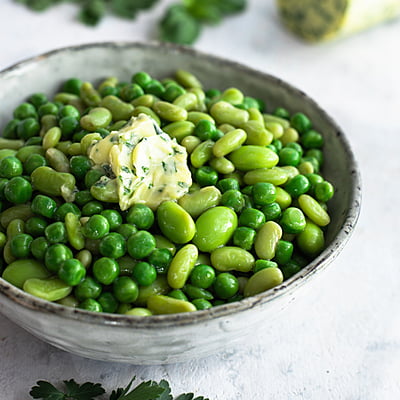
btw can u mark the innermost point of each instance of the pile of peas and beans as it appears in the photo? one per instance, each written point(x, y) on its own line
point(254, 216)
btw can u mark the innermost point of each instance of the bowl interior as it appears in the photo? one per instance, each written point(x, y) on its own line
point(95, 62)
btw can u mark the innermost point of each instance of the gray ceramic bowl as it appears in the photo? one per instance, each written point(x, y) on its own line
point(179, 337)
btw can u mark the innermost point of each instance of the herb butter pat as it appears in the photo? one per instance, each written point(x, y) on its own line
point(147, 165)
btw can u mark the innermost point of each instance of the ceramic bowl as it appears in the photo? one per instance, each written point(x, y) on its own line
point(173, 338)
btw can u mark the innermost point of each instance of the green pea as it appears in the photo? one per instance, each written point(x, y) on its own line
point(34, 161)
point(194, 292)
point(49, 289)
point(173, 91)
point(181, 266)
point(125, 289)
point(229, 142)
point(201, 304)
point(19, 271)
point(113, 245)
point(244, 237)
point(300, 122)
point(108, 302)
point(263, 193)
point(144, 273)
point(232, 258)
point(178, 294)
point(83, 197)
point(202, 276)
point(252, 218)
point(313, 210)
point(10, 166)
point(233, 199)
point(324, 191)
point(141, 216)
point(55, 255)
point(293, 220)
point(39, 247)
point(90, 305)
point(205, 130)
point(141, 244)
point(80, 165)
point(251, 157)
point(214, 228)
point(20, 245)
point(175, 223)
point(88, 288)
point(283, 252)
point(18, 190)
point(106, 270)
point(226, 285)
point(96, 227)
point(72, 272)
point(92, 208)
point(297, 186)
point(159, 304)
point(311, 241)
point(206, 176)
point(195, 203)
point(263, 280)
point(271, 211)
point(43, 205)
point(56, 233)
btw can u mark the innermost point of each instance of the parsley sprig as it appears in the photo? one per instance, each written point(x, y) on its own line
point(148, 390)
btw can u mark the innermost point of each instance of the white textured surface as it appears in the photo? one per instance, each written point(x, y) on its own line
point(341, 340)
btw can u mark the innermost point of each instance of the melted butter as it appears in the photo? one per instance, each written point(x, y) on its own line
point(149, 166)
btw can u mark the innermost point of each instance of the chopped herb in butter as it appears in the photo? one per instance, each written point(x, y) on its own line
point(150, 166)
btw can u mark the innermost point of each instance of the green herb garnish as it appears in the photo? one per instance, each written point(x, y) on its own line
point(148, 390)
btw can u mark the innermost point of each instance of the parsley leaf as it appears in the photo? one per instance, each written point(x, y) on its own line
point(149, 390)
point(86, 391)
point(45, 390)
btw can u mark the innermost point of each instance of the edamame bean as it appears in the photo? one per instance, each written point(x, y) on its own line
point(187, 79)
point(175, 222)
point(311, 241)
point(160, 304)
point(202, 153)
point(257, 134)
point(49, 289)
point(232, 258)
point(267, 239)
point(275, 175)
point(12, 144)
point(214, 228)
point(222, 165)
point(196, 116)
point(158, 287)
point(148, 111)
point(118, 108)
point(48, 181)
point(225, 113)
point(195, 203)
point(74, 231)
point(181, 266)
point(187, 101)
point(57, 160)
point(190, 143)
point(262, 281)
point(313, 210)
point(229, 142)
point(169, 112)
point(98, 117)
point(51, 137)
point(89, 95)
point(179, 129)
point(250, 157)
point(19, 271)
point(20, 211)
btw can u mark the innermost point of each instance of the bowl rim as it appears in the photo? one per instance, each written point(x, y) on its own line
point(28, 301)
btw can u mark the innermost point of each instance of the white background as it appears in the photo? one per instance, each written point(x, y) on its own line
point(341, 340)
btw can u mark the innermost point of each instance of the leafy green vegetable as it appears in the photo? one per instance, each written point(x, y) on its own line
point(149, 390)
point(178, 26)
point(181, 23)
point(86, 391)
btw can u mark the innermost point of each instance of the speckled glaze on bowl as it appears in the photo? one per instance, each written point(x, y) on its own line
point(180, 337)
